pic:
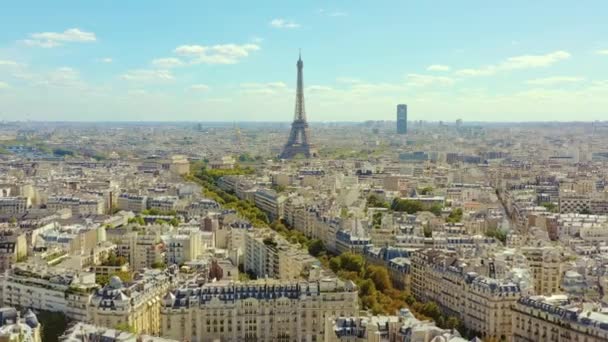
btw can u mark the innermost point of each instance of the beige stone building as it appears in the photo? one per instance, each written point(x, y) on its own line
point(545, 265)
point(135, 305)
point(555, 318)
point(482, 303)
point(13, 247)
point(264, 310)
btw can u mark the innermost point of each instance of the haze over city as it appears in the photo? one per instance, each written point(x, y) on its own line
point(235, 61)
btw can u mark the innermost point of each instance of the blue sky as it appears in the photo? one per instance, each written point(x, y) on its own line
point(235, 60)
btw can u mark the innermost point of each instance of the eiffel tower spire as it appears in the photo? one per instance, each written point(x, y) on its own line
point(299, 137)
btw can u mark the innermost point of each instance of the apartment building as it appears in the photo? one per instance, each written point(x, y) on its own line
point(267, 254)
point(403, 327)
point(78, 206)
point(13, 247)
point(130, 202)
point(14, 205)
point(556, 318)
point(163, 203)
point(483, 303)
point(182, 246)
point(51, 289)
point(263, 310)
point(141, 248)
point(545, 264)
point(270, 202)
point(135, 304)
point(88, 332)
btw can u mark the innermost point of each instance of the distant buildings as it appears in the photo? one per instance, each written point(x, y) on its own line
point(401, 119)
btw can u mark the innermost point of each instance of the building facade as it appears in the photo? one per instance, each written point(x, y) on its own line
point(256, 311)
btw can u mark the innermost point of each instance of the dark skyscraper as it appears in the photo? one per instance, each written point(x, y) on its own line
point(401, 119)
point(299, 137)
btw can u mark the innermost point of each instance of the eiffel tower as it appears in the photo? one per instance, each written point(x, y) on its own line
point(299, 138)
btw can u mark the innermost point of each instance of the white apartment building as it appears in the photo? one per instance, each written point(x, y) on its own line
point(267, 254)
point(50, 289)
point(182, 246)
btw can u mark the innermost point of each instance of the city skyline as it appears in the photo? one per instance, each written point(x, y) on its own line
point(70, 61)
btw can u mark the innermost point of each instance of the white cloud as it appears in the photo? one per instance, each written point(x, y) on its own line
point(602, 52)
point(216, 54)
point(145, 75)
point(189, 50)
point(555, 80)
point(438, 67)
point(8, 63)
point(4, 85)
point(53, 39)
point(517, 63)
point(283, 24)
point(418, 80)
point(167, 63)
point(332, 13)
point(106, 60)
point(270, 88)
point(199, 87)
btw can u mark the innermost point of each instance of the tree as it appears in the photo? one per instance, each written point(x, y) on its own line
point(452, 322)
point(316, 248)
point(126, 328)
point(455, 216)
point(552, 207)
point(377, 220)
point(436, 209)
point(137, 220)
point(374, 202)
point(497, 234)
point(53, 325)
point(427, 230)
point(352, 262)
point(426, 190)
point(379, 275)
point(158, 265)
point(125, 276)
point(406, 205)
